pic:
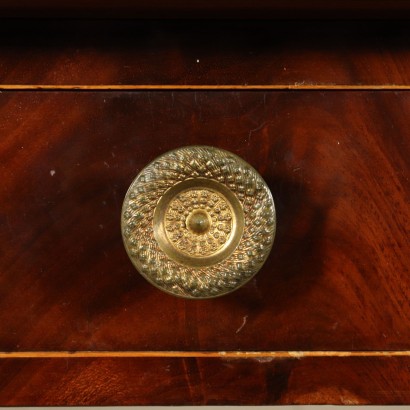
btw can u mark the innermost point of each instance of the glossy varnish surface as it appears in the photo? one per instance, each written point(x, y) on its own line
point(178, 381)
point(337, 166)
point(325, 321)
point(189, 52)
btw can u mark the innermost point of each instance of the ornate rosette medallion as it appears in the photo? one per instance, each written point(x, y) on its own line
point(198, 222)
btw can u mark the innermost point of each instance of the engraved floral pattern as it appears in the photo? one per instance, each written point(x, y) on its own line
point(211, 203)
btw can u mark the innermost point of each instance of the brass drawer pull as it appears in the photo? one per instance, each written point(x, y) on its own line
point(198, 222)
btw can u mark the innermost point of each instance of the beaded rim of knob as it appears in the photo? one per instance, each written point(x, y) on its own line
point(198, 222)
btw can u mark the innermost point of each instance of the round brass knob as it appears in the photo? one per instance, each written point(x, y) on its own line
point(198, 222)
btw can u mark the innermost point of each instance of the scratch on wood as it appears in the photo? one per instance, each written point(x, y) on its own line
point(245, 318)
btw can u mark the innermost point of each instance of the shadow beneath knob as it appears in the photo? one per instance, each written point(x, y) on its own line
point(297, 255)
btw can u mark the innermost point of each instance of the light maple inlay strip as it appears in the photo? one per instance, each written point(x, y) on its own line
point(215, 354)
point(175, 87)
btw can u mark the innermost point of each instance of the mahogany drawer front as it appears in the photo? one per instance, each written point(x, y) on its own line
point(210, 381)
point(320, 110)
point(337, 166)
point(199, 53)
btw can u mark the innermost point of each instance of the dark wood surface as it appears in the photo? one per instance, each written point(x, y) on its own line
point(326, 321)
point(295, 53)
point(207, 9)
point(336, 162)
point(173, 381)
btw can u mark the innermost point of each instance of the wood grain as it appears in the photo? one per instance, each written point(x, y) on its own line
point(336, 162)
point(292, 53)
point(200, 381)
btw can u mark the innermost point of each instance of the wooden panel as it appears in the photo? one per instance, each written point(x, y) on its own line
point(173, 381)
point(336, 162)
point(199, 52)
point(210, 8)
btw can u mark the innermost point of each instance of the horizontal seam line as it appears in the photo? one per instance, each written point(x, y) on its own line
point(205, 354)
point(130, 87)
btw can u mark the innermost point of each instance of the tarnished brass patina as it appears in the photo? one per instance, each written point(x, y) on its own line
point(198, 222)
